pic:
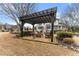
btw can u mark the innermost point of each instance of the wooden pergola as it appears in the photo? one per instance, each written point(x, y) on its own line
point(45, 16)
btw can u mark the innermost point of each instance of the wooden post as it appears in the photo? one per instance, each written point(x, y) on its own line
point(52, 25)
point(33, 32)
point(21, 29)
point(52, 31)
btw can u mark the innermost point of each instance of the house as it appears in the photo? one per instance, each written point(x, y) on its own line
point(58, 26)
point(39, 27)
point(7, 27)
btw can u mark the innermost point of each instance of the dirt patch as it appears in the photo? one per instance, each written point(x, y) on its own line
point(19, 47)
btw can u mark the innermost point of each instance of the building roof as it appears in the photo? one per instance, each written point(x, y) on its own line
point(45, 16)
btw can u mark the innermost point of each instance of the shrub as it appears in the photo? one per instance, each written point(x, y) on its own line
point(61, 35)
point(38, 34)
point(27, 33)
point(3, 31)
point(68, 41)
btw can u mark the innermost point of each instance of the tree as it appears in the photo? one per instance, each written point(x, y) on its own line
point(71, 15)
point(15, 10)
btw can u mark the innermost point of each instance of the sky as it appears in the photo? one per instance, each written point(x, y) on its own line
point(60, 7)
point(39, 1)
point(41, 6)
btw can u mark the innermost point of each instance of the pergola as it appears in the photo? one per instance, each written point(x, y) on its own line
point(45, 16)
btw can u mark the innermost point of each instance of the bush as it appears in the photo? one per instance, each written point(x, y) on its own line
point(68, 41)
point(61, 35)
point(3, 31)
point(27, 33)
point(38, 34)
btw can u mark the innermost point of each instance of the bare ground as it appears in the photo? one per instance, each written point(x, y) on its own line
point(13, 46)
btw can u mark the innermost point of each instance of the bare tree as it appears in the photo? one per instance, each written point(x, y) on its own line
point(71, 15)
point(15, 10)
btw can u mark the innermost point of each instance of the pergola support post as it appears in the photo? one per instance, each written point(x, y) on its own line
point(52, 31)
point(52, 25)
point(33, 32)
point(21, 29)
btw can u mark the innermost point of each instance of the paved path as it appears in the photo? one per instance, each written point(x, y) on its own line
point(13, 46)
